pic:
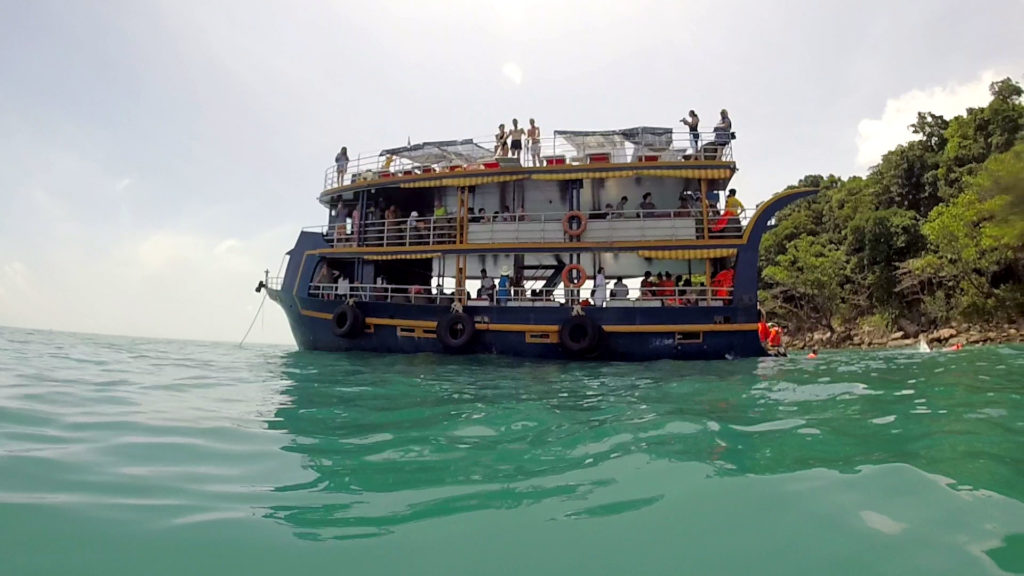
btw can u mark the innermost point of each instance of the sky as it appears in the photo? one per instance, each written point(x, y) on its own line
point(158, 156)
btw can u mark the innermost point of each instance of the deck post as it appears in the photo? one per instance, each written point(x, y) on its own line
point(704, 204)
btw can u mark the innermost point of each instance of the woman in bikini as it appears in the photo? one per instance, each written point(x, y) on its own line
point(501, 142)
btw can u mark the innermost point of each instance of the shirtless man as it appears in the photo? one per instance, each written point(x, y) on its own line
point(516, 136)
point(533, 137)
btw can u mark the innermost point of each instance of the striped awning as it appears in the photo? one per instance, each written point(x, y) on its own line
point(715, 173)
point(464, 180)
point(477, 180)
point(409, 256)
point(688, 254)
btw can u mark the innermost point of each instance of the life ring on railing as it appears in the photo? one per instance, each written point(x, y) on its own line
point(569, 218)
point(567, 276)
point(455, 331)
point(579, 335)
point(348, 322)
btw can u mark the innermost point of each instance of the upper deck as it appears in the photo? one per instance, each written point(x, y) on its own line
point(567, 155)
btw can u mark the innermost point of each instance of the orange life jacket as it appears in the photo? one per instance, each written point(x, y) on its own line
point(775, 337)
point(762, 331)
point(723, 280)
point(723, 221)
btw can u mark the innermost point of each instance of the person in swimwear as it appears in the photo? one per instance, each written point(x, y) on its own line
point(533, 138)
point(516, 136)
point(954, 347)
point(501, 142)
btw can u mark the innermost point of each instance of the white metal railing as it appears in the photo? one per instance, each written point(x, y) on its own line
point(623, 297)
point(527, 296)
point(554, 150)
point(275, 282)
point(384, 293)
point(420, 231)
point(627, 224)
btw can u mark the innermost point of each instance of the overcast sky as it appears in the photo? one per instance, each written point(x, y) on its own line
point(157, 156)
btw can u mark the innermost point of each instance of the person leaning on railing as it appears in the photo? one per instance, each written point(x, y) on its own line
point(619, 291)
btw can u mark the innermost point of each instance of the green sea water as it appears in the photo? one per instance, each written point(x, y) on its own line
point(130, 456)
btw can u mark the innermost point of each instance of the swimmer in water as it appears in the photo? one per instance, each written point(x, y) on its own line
point(954, 347)
point(813, 354)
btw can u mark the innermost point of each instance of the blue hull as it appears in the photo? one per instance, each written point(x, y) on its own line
point(316, 333)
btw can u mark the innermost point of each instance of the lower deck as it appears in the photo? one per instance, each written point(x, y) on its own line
point(622, 334)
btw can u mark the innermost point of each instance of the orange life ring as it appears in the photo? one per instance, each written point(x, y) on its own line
point(567, 219)
point(566, 279)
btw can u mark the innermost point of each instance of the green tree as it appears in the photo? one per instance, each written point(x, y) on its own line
point(809, 279)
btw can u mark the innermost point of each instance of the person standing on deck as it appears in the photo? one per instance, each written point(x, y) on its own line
point(620, 291)
point(503, 286)
point(692, 122)
point(645, 286)
point(501, 142)
point(600, 293)
point(341, 164)
point(516, 136)
point(723, 130)
point(533, 138)
point(486, 286)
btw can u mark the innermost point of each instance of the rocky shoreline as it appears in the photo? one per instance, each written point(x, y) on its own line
point(873, 338)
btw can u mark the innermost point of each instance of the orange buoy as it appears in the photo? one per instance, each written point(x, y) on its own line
point(567, 279)
point(567, 223)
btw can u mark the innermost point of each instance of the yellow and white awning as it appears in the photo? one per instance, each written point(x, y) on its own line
point(688, 254)
point(409, 256)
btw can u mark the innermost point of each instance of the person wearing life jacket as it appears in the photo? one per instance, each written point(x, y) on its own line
point(733, 208)
point(813, 354)
point(762, 331)
point(954, 347)
point(774, 336)
point(645, 286)
point(723, 282)
point(666, 287)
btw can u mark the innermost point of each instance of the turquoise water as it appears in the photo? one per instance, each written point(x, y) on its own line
point(131, 456)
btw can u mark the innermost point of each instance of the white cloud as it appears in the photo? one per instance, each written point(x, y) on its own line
point(513, 72)
point(124, 183)
point(876, 136)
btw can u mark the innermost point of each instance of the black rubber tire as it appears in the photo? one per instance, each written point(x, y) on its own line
point(348, 322)
point(579, 335)
point(455, 331)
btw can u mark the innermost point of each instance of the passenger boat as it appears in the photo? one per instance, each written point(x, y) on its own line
point(398, 266)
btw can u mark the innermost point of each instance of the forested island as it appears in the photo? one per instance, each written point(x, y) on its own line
point(930, 242)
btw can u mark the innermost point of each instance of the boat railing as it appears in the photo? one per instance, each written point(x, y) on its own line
point(394, 293)
point(418, 231)
point(525, 296)
point(275, 282)
point(554, 151)
point(623, 297)
point(605, 226)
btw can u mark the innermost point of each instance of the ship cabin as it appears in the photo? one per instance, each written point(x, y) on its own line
point(629, 227)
